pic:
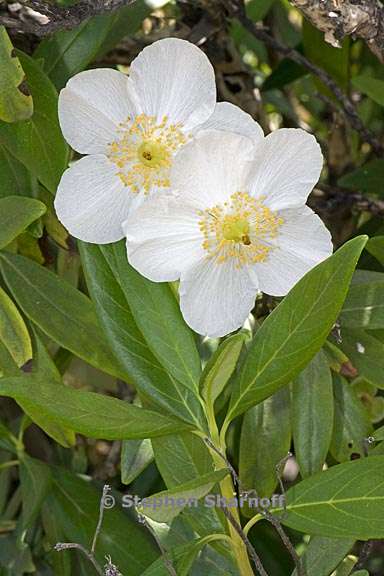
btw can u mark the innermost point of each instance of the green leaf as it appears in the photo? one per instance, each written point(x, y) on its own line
point(68, 52)
point(364, 305)
point(265, 441)
point(165, 506)
point(16, 214)
point(367, 179)
point(284, 73)
point(334, 60)
point(366, 352)
point(88, 413)
point(157, 315)
point(15, 179)
point(375, 246)
point(345, 501)
point(35, 480)
point(110, 292)
point(75, 502)
point(136, 455)
point(38, 142)
point(258, 9)
point(59, 310)
point(13, 332)
point(312, 415)
point(372, 87)
point(220, 367)
point(296, 329)
point(15, 101)
point(323, 555)
point(351, 424)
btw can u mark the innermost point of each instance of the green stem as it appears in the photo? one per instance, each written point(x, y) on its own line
point(228, 492)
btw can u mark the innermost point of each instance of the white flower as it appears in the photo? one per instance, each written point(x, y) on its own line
point(131, 128)
point(238, 224)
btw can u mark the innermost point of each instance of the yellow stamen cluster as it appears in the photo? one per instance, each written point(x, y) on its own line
point(143, 151)
point(239, 229)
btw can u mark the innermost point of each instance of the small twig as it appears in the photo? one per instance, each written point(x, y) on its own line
point(267, 515)
point(73, 545)
point(252, 552)
point(106, 490)
point(167, 561)
point(237, 10)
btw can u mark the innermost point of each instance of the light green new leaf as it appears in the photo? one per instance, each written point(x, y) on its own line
point(136, 455)
point(88, 413)
point(35, 480)
point(372, 87)
point(65, 314)
point(351, 424)
point(296, 329)
point(68, 52)
point(312, 415)
point(38, 142)
point(15, 101)
point(345, 501)
point(220, 367)
point(265, 441)
point(364, 305)
point(16, 214)
point(323, 555)
point(145, 368)
point(13, 332)
point(165, 506)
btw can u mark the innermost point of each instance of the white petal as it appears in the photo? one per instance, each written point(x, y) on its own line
point(216, 299)
point(174, 78)
point(302, 242)
point(163, 238)
point(92, 202)
point(91, 106)
point(287, 165)
point(231, 118)
point(212, 167)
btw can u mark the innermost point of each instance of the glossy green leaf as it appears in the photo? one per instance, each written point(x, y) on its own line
point(109, 292)
point(38, 142)
point(15, 100)
point(59, 310)
point(165, 506)
point(324, 554)
point(351, 424)
point(88, 413)
point(265, 441)
point(312, 415)
point(35, 481)
point(16, 214)
point(366, 352)
point(75, 503)
point(136, 455)
point(13, 332)
point(372, 87)
point(367, 179)
point(220, 367)
point(68, 52)
point(296, 329)
point(364, 305)
point(346, 501)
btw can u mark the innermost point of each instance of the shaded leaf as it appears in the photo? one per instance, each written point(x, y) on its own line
point(323, 555)
point(16, 214)
point(35, 480)
point(372, 87)
point(136, 455)
point(13, 332)
point(367, 179)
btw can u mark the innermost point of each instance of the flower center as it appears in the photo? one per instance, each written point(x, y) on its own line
point(143, 151)
point(239, 229)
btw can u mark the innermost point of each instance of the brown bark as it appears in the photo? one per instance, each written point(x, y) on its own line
point(340, 18)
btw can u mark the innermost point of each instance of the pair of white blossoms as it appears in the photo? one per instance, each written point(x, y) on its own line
point(197, 190)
